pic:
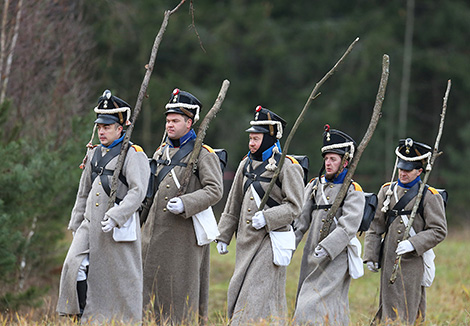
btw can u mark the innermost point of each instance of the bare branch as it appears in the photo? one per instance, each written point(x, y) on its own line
point(138, 105)
point(376, 113)
point(300, 118)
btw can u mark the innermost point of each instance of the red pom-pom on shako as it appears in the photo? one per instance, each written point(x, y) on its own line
point(327, 127)
point(176, 91)
point(258, 108)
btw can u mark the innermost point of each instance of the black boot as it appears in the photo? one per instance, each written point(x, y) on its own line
point(81, 290)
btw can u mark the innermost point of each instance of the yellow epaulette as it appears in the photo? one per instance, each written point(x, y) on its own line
point(386, 184)
point(311, 180)
point(357, 187)
point(209, 149)
point(292, 159)
point(137, 148)
point(433, 190)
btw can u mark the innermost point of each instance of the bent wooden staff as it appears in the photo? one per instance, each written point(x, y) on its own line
point(138, 105)
point(300, 118)
point(433, 157)
point(376, 114)
point(201, 133)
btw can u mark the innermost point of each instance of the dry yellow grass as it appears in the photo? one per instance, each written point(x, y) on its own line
point(448, 299)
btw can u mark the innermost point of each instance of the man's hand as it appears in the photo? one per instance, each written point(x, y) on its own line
point(320, 252)
point(222, 247)
point(404, 247)
point(258, 220)
point(108, 225)
point(373, 266)
point(175, 205)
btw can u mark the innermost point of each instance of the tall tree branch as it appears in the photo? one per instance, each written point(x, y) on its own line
point(138, 105)
point(314, 94)
point(376, 114)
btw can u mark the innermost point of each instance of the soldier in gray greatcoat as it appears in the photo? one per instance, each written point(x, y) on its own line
point(322, 294)
point(101, 279)
point(405, 299)
point(257, 288)
point(176, 268)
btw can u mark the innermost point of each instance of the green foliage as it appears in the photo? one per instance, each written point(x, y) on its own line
point(30, 298)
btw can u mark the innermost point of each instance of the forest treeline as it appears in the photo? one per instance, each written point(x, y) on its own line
point(57, 57)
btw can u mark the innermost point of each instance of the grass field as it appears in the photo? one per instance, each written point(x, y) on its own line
point(448, 299)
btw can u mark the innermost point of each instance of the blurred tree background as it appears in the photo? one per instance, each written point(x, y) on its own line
point(58, 56)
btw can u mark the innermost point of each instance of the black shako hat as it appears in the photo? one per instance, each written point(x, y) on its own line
point(336, 141)
point(111, 109)
point(267, 122)
point(184, 103)
point(411, 154)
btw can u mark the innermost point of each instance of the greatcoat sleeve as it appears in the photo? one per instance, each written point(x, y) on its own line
point(348, 223)
point(302, 223)
point(84, 187)
point(435, 228)
point(136, 169)
point(210, 177)
point(228, 222)
point(291, 178)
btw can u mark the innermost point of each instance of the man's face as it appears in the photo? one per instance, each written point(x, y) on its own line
point(333, 164)
point(109, 133)
point(176, 125)
point(406, 176)
point(255, 141)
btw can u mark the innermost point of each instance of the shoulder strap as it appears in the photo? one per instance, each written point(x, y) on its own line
point(397, 210)
point(254, 178)
point(175, 161)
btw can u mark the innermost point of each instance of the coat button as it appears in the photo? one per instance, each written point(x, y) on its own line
point(251, 198)
point(398, 241)
point(249, 209)
point(323, 220)
point(166, 198)
point(399, 231)
point(97, 204)
point(168, 186)
point(97, 193)
point(401, 221)
point(247, 221)
point(164, 209)
point(99, 183)
point(328, 197)
point(326, 209)
point(331, 186)
point(169, 174)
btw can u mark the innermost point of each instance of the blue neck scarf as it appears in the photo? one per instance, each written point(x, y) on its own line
point(340, 178)
point(409, 184)
point(183, 140)
point(269, 152)
point(117, 141)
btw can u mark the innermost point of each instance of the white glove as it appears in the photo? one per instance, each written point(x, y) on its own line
point(175, 205)
point(373, 266)
point(320, 252)
point(404, 247)
point(258, 220)
point(108, 225)
point(222, 247)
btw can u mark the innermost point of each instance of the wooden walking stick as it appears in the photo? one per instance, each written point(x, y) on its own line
point(201, 133)
point(300, 118)
point(138, 105)
point(434, 155)
point(376, 114)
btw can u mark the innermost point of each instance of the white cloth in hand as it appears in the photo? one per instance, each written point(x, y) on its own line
point(175, 205)
point(108, 225)
point(373, 266)
point(404, 247)
point(222, 247)
point(258, 220)
point(320, 252)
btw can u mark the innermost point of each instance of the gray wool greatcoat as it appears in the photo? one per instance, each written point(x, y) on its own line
point(406, 296)
point(115, 270)
point(257, 287)
point(322, 294)
point(176, 268)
